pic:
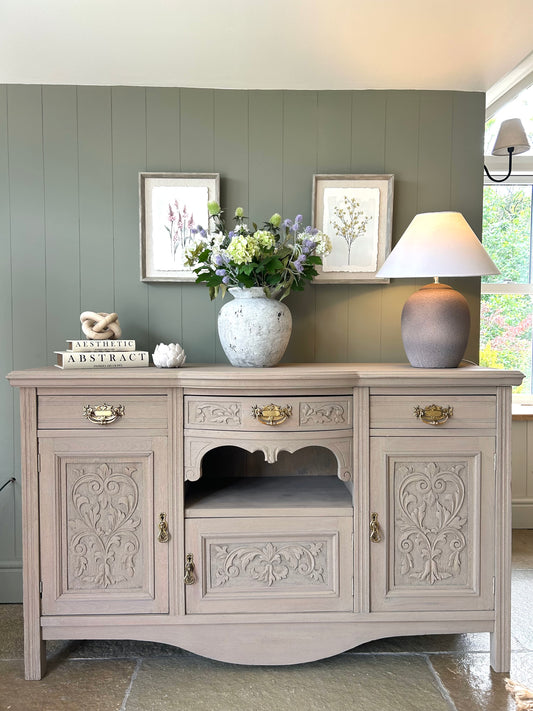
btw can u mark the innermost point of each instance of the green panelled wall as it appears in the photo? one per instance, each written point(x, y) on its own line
point(69, 163)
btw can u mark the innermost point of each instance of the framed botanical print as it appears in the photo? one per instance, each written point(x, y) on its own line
point(171, 206)
point(355, 211)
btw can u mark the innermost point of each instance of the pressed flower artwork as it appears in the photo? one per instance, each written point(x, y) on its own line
point(172, 205)
point(355, 211)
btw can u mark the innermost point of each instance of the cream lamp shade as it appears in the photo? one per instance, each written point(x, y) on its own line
point(511, 135)
point(436, 319)
point(438, 244)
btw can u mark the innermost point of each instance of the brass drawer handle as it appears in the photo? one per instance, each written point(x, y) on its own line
point(190, 577)
point(375, 530)
point(164, 535)
point(433, 414)
point(271, 414)
point(103, 414)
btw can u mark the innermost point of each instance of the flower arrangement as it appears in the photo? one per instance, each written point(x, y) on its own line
point(280, 257)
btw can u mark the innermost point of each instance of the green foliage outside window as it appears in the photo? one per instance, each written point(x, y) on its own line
point(506, 334)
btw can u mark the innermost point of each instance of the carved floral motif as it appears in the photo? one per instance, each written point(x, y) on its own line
point(327, 413)
point(269, 563)
point(102, 525)
point(216, 413)
point(430, 522)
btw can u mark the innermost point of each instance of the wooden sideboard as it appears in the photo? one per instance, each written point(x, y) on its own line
point(265, 516)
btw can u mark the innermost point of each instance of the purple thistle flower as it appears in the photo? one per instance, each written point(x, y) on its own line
point(287, 223)
point(308, 246)
point(226, 280)
point(299, 263)
point(220, 272)
point(218, 259)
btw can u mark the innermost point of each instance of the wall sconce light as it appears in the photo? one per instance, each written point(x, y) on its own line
point(512, 140)
point(436, 318)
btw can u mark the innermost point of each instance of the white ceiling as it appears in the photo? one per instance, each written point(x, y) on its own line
point(265, 44)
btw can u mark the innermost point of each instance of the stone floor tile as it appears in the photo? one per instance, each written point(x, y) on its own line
point(521, 618)
point(12, 635)
point(119, 649)
point(473, 686)
point(426, 644)
point(67, 686)
point(522, 548)
point(390, 683)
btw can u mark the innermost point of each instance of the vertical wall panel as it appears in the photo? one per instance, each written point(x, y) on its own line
point(368, 131)
point(231, 123)
point(300, 131)
point(129, 157)
point(10, 588)
point(334, 131)
point(95, 161)
point(197, 152)
point(60, 150)
point(163, 155)
point(27, 225)
point(401, 159)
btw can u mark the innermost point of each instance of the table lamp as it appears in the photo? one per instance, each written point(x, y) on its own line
point(436, 319)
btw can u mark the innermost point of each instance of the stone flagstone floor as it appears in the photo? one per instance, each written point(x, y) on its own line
point(431, 673)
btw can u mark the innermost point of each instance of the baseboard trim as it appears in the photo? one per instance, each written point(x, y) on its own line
point(10, 582)
point(523, 513)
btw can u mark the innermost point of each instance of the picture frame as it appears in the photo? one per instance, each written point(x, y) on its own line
point(170, 205)
point(355, 211)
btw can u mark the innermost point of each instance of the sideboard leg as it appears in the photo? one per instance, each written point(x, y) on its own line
point(500, 639)
point(34, 647)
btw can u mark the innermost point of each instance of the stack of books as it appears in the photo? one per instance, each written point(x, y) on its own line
point(119, 353)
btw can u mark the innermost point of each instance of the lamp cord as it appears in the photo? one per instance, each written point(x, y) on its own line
point(500, 180)
point(9, 481)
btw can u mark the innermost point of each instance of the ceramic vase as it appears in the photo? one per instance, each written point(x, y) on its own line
point(254, 330)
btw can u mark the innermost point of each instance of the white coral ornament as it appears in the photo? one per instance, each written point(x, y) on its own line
point(169, 355)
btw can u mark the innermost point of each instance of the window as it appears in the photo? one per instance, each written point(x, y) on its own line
point(507, 299)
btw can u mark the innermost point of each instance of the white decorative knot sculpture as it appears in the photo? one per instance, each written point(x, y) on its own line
point(100, 325)
point(169, 355)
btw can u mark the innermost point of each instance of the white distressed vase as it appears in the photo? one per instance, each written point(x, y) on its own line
point(254, 330)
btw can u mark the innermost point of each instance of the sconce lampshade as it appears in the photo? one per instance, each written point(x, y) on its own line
point(436, 319)
point(511, 135)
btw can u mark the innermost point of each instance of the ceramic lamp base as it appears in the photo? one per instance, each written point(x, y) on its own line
point(435, 327)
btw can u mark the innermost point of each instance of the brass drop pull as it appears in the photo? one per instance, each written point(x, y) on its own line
point(375, 531)
point(103, 414)
point(271, 414)
point(164, 535)
point(190, 577)
point(433, 414)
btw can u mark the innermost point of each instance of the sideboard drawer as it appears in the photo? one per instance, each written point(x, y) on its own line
point(251, 414)
point(458, 412)
point(268, 564)
point(126, 411)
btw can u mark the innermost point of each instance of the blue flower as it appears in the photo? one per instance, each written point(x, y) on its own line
point(220, 272)
point(218, 260)
point(226, 280)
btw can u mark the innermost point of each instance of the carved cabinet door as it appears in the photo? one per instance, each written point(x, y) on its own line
point(433, 547)
point(101, 499)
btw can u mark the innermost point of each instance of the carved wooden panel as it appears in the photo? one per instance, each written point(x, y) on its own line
point(270, 564)
point(432, 530)
point(106, 526)
point(430, 506)
point(101, 499)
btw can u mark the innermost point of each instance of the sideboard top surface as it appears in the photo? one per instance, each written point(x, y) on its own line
point(295, 376)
